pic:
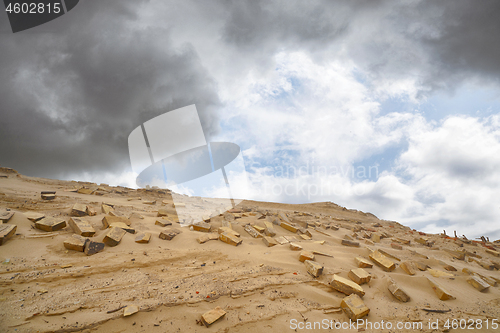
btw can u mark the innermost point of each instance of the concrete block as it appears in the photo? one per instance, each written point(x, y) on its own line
point(143, 238)
point(347, 242)
point(354, 307)
point(75, 243)
point(359, 275)
point(81, 227)
point(306, 255)
point(269, 241)
point(79, 209)
point(114, 236)
point(210, 317)
point(50, 224)
point(313, 268)
point(382, 261)
point(295, 247)
point(229, 238)
point(346, 286)
point(363, 263)
point(6, 232)
point(442, 293)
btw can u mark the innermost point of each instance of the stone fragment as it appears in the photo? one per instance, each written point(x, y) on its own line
point(442, 293)
point(106, 209)
point(34, 216)
point(346, 286)
point(108, 219)
point(130, 310)
point(169, 233)
point(259, 229)
point(478, 283)
point(350, 243)
point(359, 275)
point(397, 292)
point(382, 261)
point(363, 263)
point(143, 238)
point(75, 243)
point(396, 246)
point(50, 224)
point(295, 247)
point(269, 241)
point(306, 255)
point(251, 231)
point(114, 236)
point(289, 227)
point(81, 227)
point(201, 226)
point(163, 222)
point(6, 232)
point(210, 317)
point(409, 267)
point(92, 247)
point(5, 216)
point(313, 268)
point(229, 239)
point(269, 229)
point(79, 209)
point(354, 307)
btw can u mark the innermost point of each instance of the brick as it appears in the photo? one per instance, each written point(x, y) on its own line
point(389, 255)
point(163, 222)
point(251, 231)
point(205, 238)
point(226, 224)
point(284, 217)
point(422, 240)
point(420, 265)
point(169, 233)
point(92, 247)
point(363, 263)
point(403, 241)
point(143, 238)
point(5, 216)
point(354, 307)
point(106, 209)
point(259, 229)
point(50, 224)
point(305, 237)
point(201, 226)
point(48, 196)
point(442, 293)
point(78, 209)
point(116, 213)
point(107, 220)
point(6, 232)
point(319, 253)
point(289, 227)
point(380, 260)
point(396, 246)
point(228, 217)
point(34, 216)
point(313, 268)
point(162, 211)
point(478, 283)
point(269, 229)
point(350, 243)
point(269, 241)
point(375, 237)
point(210, 317)
point(321, 242)
point(229, 239)
point(485, 264)
point(346, 286)
point(135, 215)
point(149, 202)
point(369, 242)
point(397, 292)
point(306, 255)
point(493, 252)
point(130, 310)
point(85, 190)
point(91, 211)
point(450, 268)
point(306, 232)
point(81, 227)
point(295, 247)
point(228, 231)
point(409, 267)
point(281, 240)
point(359, 275)
point(349, 238)
point(456, 254)
point(75, 243)
point(114, 236)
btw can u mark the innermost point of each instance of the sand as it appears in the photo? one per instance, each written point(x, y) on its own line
point(45, 287)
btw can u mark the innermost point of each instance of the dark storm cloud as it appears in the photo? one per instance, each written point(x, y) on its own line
point(70, 98)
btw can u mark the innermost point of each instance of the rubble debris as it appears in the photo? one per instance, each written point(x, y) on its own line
point(143, 238)
point(6, 232)
point(210, 317)
point(114, 236)
point(354, 307)
point(359, 275)
point(81, 227)
point(346, 286)
point(313, 268)
point(50, 224)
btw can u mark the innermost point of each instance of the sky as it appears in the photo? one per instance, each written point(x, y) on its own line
point(382, 106)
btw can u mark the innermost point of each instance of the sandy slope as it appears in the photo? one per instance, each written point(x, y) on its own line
point(262, 289)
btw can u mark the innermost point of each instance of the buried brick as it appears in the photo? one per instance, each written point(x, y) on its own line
point(313, 268)
point(397, 292)
point(269, 241)
point(5, 216)
point(163, 222)
point(347, 242)
point(359, 275)
point(478, 283)
point(354, 307)
point(201, 226)
point(143, 238)
point(114, 236)
point(442, 293)
point(92, 247)
point(123, 226)
point(78, 209)
point(346, 286)
point(130, 310)
point(106, 209)
point(289, 227)
point(259, 228)
point(210, 317)
point(91, 211)
point(229, 238)
point(34, 216)
point(107, 220)
point(409, 267)
point(230, 231)
point(493, 252)
point(169, 234)
point(269, 229)
point(306, 255)
point(6, 232)
point(205, 238)
point(50, 224)
point(251, 231)
point(382, 261)
point(363, 263)
point(295, 247)
point(81, 227)
point(75, 243)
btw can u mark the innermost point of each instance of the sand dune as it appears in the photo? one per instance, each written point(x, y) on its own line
point(46, 287)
